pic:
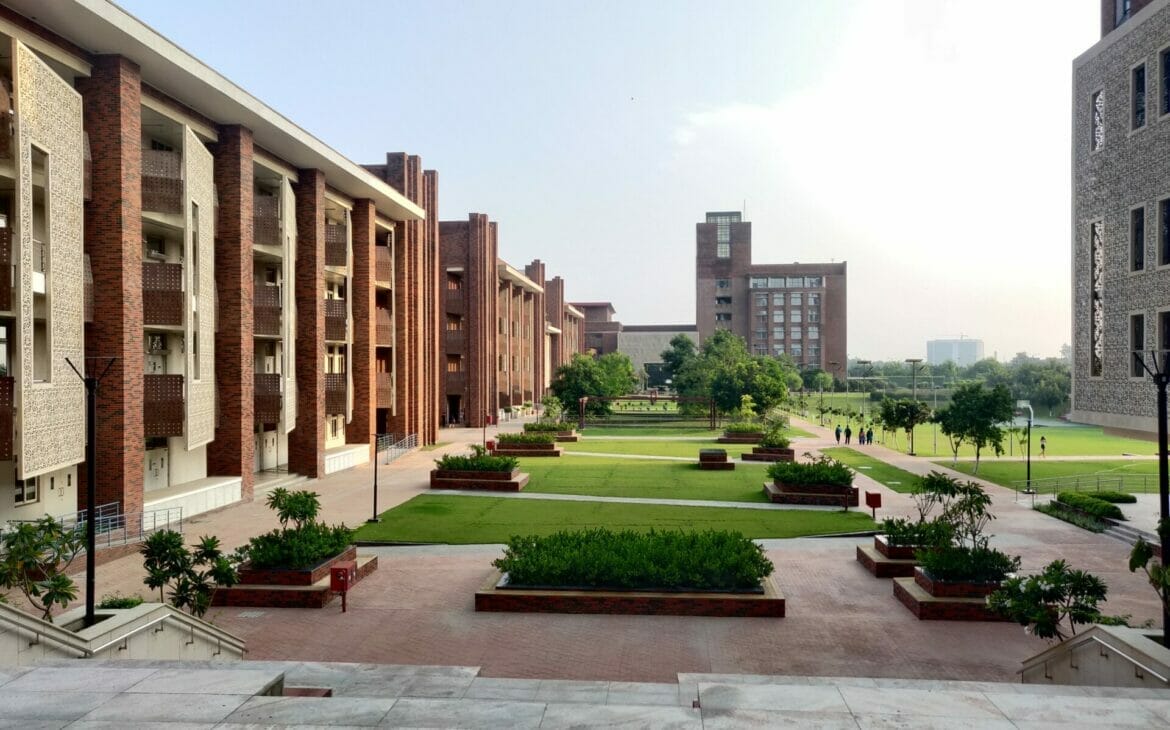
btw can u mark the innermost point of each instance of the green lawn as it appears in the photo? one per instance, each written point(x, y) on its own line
point(1006, 472)
point(664, 447)
point(896, 479)
point(613, 477)
point(649, 431)
point(435, 518)
point(1062, 441)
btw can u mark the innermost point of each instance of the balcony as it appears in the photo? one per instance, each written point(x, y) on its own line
point(384, 387)
point(383, 265)
point(335, 248)
point(162, 181)
point(266, 311)
point(266, 220)
point(162, 294)
point(384, 326)
point(267, 399)
point(335, 320)
point(7, 416)
point(334, 393)
point(6, 268)
point(163, 410)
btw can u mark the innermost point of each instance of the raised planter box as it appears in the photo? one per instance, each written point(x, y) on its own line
point(769, 604)
point(527, 450)
point(568, 437)
point(493, 481)
point(894, 552)
point(769, 453)
point(884, 567)
point(317, 595)
point(714, 460)
point(741, 438)
point(525, 447)
point(813, 494)
point(953, 589)
point(935, 608)
point(292, 577)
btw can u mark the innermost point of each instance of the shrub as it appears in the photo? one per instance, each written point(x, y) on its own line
point(543, 427)
point(480, 460)
point(712, 559)
point(1060, 512)
point(524, 439)
point(1090, 505)
point(297, 549)
point(1145, 556)
point(1042, 603)
point(775, 439)
point(932, 533)
point(192, 575)
point(119, 601)
point(824, 470)
point(967, 565)
point(1114, 497)
point(300, 507)
point(33, 559)
point(743, 428)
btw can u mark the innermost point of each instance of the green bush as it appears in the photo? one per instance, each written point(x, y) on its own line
point(1090, 505)
point(932, 533)
point(1043, 603)
point(119, 601)
point(824, 470)
point(967, 565)
point(525, 439)
point(543, 427)
point(478, 461)
point(775, 439)
point(744, 428)
point(295, 549)
point(1060, 512)
point(1114, 497)
point(709, 560)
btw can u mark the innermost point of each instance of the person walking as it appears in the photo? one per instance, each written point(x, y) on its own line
point(869, 435)
point(861, 436)
point(848, 433)
point(1043, 445)
point(838, 432)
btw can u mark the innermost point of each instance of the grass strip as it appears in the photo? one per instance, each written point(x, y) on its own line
point(896, 479)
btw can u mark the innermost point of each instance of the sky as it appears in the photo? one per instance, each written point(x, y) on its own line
point(925, 142)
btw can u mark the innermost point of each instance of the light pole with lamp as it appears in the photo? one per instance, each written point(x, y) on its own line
point(1022, 404)
point(914, 362)
point(1161, 377)
point(868, 372)
point(377, 444)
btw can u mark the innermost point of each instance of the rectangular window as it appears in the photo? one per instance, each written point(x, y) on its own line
point(814, 315)
point(776, 282)
point(723, 283)
point(795, 282)
point(723, 250)
point(796, 350)
point(1137, 344)
point(1164, 232)
point(778, 348)
point(1097, 110)
point(778, 316)
point(42, 254)
point(1137, 239)
point(814, 353)
point(26, 491)
point(760, 335)
point(723, 301)
point(777, 333)
point(722, 316)
point(794, 333)
point(762, 317)
point(778, 300)
point(759, 349)
point(813, 282)
point(1138, 91)
point(1096, 300)
point(814, 299)
point(761, 300)
point(1163, 336)
point(795, 298)
point(454, 282)
point(814, 332)
point(795, 316)
point(758, 282)
point(1165, 55)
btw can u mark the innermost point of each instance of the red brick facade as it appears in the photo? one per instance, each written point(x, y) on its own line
point(363, 423)
point(306, 442)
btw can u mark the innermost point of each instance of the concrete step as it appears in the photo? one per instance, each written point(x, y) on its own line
point(267, 482)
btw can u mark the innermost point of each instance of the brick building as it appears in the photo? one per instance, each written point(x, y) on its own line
point(565, 326)
point(263, 303)
point(779, 309)
point(599, 327)
point(1121, 216)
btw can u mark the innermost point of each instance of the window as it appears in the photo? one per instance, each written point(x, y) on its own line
point(760, 334)
point(722, 301)
point(1097, 139)
point(723, 223)
point(796, 350)
point(795, 298)
point(795, 317)
point(761, 318)
point(1163, 336)
point(723, 283)
point(813, 282)
point(814, 315)
point(814, 332)
point(794, 333)
point(454, 364)
point(1096, 300)
point(775, 282)
point(761, 300)
point(759, 349)
point(1137, 90)
point(795, 282)
point(778, 300)
point(1164, 232)
point(814, 299)
point(1166, 81)
point(502, 363)
point(778, 316)
point(814, 353)
point(757, 282)
point(722, 316)
point(1137, 344)
point(454, 323)
point(1121, 11)
point(454, 282)
point(778, 349)
point(42, 254)
point(777, 333)
point(723, 250)
point(26, 491)
point(1137, 239)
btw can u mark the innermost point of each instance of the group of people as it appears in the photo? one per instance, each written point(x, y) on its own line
point(864, 435)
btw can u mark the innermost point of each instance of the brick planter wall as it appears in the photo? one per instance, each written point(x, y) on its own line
point(305, 577)
point(846, 497)
point(770, 604)
point(524, 447)
point(570, 437)
point(317, 595)
point(929, 608)
point(526, 451)
point(952, 589)
point(883, 567)
point(741, 438)
point(766, 453)
point(894, 552)
point(494, 481)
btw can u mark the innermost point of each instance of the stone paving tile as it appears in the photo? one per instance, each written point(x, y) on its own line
point(43, 707)
point(7, 674)
point(1106, 711)
point(437, 686)
point(153, 725)
point(207, 681)
point(643, 693)
point(325, 711)
point(77, 679)
point(920, 722)
point(147, 708)
point(752, 719)
point(21, 724)
point(772, 697)
point(918, 702)
point(492, 688)
point(562, 716)
point(560, 690)
point(1159, 708)
point(421, 713)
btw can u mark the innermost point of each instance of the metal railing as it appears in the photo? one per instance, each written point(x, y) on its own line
point(389, 450)
point(131, 527)
point(1113, 482)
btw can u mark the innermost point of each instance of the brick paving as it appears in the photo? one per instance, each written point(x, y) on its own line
point(418, 607)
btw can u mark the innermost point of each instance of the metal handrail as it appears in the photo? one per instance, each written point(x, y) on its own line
point(1112, 648)
point(69, 641)
point(1147, 483)
point(399, 449)
point(219, 640)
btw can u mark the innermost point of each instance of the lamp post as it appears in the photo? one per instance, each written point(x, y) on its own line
point(835, 366)
point(913, 362)
point(868, 371)
point(1022, 404)
point(377, 443)
point(1161, 376)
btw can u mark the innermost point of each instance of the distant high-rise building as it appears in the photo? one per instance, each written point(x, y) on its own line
point(780, 309)
point(963, 351)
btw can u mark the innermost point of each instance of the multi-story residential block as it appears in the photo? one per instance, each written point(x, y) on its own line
point(963, 352)
point(779, 309)
point(565, 327)
point(644, 343)
point(254, 301)
point(600, 328)
point(1121, 216)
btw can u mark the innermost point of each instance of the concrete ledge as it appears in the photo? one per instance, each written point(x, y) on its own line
point(769, 604)
point(883, 567)
point(780, 495)
point(895, 552)
point(317, 595)
point(346, 457)
point(303, 577)
point(488, 481)
point(929, 608)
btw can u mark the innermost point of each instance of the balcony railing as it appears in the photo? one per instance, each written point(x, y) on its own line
point(267, 399)
point(162, 181)
point(7, 416)
point(162, 408)
point(266, 220)
point(384, 385)
point(334, 393)
point(335, 253)
point(6, 270)
point(383, 265)
point(162, 294)
point(384, 326)
point(335, 317)
point(266, 312)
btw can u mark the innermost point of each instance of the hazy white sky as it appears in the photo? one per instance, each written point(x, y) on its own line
point(926, 142)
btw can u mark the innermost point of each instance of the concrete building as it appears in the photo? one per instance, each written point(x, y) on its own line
point(261, 302)
point(779, 309)
point(962, 352)
point(1121, 216)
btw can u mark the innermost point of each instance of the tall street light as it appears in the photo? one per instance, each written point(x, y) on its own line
point(1160, 373)
point(1022, 404)
point(868, 370)
point(913, 362)
point(835, 366)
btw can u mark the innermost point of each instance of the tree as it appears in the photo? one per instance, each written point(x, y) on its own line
point(194, 575)
point(33, 560)
point(975, 415)
point(817, 380)
point(680, 352)
point(609, 376)
point(904, 414)
point(1043, 603)
point(618, 376)
point(1145, 556)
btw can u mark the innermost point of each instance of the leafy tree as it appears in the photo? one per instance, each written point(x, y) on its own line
point(1043, 603)
point(299, 507)
point(33, 559)
point(975, 415)
point(904, 414)
point(680, 352)
point(193, 575)
point(818, 380)
point(609, 376)
point(552, 408)
point(618, 376)
point(1145, 556)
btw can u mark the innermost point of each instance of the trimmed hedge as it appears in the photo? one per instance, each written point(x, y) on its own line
point(477, 462)
point(1060, 512)
point(1090, 505)
point(775, 439)
point(669, 560)
point(523, 439)
point(966, 565)
point(822, 471)
point(931, 533)
point(544, 427)
point(1114, 497)
point(745, 428)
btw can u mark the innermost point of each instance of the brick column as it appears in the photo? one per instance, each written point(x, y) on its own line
point(431, 294)
point(233, 451)
point(535, 271)
point(307, 441)
point(365, 399)
point(113, 240)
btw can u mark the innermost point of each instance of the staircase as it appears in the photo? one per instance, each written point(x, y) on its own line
point(267, 481)
point(1128, 534)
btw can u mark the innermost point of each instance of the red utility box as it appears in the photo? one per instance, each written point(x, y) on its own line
point(873, 500)
point(342, 575)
